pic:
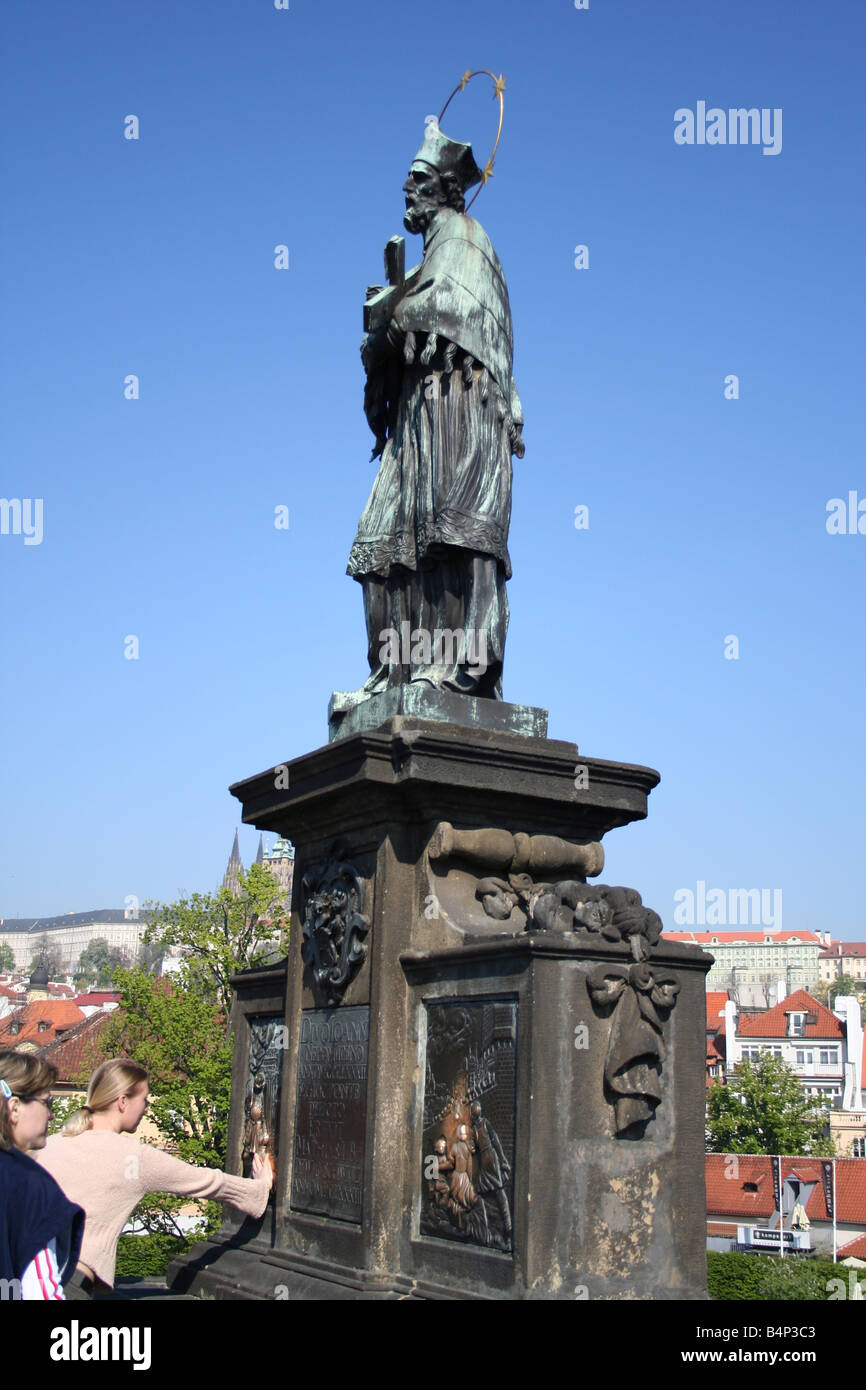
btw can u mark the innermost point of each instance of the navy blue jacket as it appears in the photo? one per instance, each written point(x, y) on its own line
point(33, 1211)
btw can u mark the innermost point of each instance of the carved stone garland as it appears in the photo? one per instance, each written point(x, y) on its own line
point(638, 1000)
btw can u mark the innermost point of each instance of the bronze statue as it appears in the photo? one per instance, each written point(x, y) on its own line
point(257, 1132)
point(440, 1190)
point(466, 1208)
point(431, 551)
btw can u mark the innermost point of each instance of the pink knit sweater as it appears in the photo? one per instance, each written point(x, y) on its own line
point(107, 1174)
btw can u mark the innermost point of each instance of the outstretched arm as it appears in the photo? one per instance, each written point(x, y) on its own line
point(162, 1172)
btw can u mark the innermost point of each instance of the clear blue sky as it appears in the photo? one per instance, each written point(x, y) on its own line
point(707, 516)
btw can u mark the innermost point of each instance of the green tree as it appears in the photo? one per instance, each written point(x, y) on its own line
point(150, 958)
point(7, 958)
point(47, 954)
point(98, 962)
point(178, 1034)
point(219, 934)
point(763, 1109)
point(827, 992)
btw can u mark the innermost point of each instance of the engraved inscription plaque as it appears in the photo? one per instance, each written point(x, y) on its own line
point(331, 1113)
point(262, 1099)
point(467, 1184)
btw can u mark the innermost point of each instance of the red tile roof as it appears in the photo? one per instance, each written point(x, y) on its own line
point(840, 949)
point(97, 998)
point(77, 1049)
point(726, 1174)
point(716, 1001)
point(855, 1248)
point(730, 938)
point(58, 1014)
point(774, 1024)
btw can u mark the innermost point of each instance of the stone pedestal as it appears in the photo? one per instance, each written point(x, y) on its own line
point(489, 1072)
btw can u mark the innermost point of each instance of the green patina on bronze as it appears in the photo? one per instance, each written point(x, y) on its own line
point(431, 550)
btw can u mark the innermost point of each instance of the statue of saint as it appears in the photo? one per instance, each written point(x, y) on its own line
point(431, 551)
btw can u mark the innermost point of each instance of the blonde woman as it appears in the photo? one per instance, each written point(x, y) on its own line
point(40, 1229)
point(99, 1165)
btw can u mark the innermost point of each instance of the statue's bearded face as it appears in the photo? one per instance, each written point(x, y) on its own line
point(424, 197)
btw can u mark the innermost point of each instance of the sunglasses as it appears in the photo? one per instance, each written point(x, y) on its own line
point(48, 1101)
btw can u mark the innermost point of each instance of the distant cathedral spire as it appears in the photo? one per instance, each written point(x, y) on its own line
point(234, 869)
point(260, 856)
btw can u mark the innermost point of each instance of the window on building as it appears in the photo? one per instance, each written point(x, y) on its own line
point(858, 1148)
point(828, 1056)
point(796, 1025)
point(804, 1058)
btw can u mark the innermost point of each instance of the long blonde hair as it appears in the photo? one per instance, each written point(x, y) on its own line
point(24, 1075)
point(112, 1079)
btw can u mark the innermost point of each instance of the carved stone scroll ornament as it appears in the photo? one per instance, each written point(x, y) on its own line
point(635, 1049)
point(334, 926)
point(517, 857)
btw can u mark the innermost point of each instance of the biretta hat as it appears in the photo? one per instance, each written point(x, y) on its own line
point(448, 156)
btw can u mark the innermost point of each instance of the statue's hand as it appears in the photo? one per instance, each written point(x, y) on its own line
point(374, 348)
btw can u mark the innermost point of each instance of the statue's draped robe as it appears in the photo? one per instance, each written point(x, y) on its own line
point(432, 543)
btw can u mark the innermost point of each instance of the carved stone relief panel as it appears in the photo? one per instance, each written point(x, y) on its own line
point(262, 1098)
point(467, 1179)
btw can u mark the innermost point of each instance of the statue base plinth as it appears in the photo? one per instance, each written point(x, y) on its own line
point(464, 1105)
point(349, 714)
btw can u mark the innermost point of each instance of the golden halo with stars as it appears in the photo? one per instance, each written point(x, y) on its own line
point(498, 89)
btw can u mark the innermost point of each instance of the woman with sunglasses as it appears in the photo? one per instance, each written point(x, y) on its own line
point(40, 1229)
point(100, 1165)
